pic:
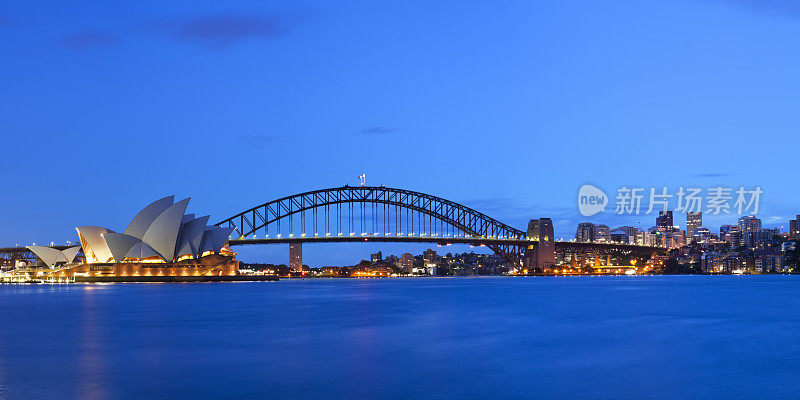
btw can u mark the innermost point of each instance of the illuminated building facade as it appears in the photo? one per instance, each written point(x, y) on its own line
point(794, 228)
point(749, 223)
point(602, 233)
point(694, 220)
point(296, 256)
point(664, 220)
point(407, 263)
point(584, 233)
point(161, 240)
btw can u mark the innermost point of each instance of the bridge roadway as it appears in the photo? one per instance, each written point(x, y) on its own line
point(9, 254)
point(560, 246)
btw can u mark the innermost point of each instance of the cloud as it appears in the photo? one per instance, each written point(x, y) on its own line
point(786, 7)
point(226, 29)
point(377, 130)
point(711, 175)
point(258, 141)
point(87, 40)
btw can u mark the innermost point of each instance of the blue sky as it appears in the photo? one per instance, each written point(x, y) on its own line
point(508, 107)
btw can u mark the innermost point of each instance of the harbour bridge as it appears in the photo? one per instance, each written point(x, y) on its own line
point(383, 214)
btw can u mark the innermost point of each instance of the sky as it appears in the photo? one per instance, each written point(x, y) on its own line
point(506, 107)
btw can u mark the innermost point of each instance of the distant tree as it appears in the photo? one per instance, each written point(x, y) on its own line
point(673, 267)
point(792, 259)
point(695, 268)
point(443, 269)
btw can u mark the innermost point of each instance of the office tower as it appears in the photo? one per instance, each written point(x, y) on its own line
point(749, 223)
point(585, 232)
point(602, 233)
point(296, 256)
point(794, 228)
point(694, 220)
point(664, 220)
point(407, 263)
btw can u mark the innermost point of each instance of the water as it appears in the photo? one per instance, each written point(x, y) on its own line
point(436, 338)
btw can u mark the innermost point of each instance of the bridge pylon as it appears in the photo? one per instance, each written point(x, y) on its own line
point(541, 256)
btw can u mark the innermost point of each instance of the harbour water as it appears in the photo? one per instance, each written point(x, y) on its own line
point(659, 337)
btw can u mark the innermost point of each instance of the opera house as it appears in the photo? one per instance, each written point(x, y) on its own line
point(160, 243)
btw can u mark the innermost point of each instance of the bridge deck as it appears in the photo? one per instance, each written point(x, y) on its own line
point(383, 239)
point(574, 247)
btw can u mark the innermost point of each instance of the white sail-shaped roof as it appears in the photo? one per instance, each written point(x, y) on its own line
point(94, 246)
point(141, 250)
point(71, 252)
point(214, 238)
point(49, 255)
point(162, 235)
point(192, 237)
point(142, 221)
point(207, 244)
point(120, 244)
point(186, 218)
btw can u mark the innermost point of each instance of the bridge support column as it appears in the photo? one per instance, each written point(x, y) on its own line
point(608, 260)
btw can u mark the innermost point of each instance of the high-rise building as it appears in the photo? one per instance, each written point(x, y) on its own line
point(761, 239)
point(429, 256)
point(664, 220)
point(731, 234)
point(602, 233)
point(725, 229)
point(296, 256)
point(701, 234)
point(694, 220)
point(645, 238)
point(749, 223)
point(674, 239)
point(585, 232)
point(630, 232)
point(376, 257)
point(620, 236)
point(794, 228)
point(407, 263)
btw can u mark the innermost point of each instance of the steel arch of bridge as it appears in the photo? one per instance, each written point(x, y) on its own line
point(455, 216)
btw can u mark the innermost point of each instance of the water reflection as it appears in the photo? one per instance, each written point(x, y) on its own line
point(92, 368)
point(628, 337)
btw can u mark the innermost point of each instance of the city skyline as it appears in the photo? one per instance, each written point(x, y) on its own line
point(386, 200)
